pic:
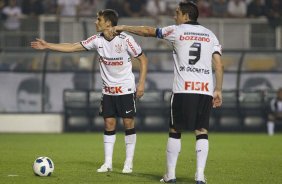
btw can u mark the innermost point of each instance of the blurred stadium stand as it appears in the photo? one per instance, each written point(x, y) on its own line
point(234, 33)
point(252, 58)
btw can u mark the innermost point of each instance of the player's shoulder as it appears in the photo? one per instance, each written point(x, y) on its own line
point(95, 36)
point(171, 27)
point(124, 36)
point(208, 31)
point(91, 39)
point(99, 35)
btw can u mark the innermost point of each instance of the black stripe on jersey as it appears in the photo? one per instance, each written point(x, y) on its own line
point(122, 36)
point(83, 46)
point(216, 52)
point(139, 55)
point(100, 35)
point(159, 33)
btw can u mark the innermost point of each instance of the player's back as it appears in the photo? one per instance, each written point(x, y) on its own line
point(194, 46)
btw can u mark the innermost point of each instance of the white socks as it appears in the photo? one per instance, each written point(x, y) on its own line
point(202, 149)
point(172, 152)
point(109, 142)
point(130, 142)
point(270, 128)
point(174, 148)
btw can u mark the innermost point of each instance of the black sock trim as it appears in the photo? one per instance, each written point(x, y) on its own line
point(130, 131)
point(175, 135)
point(202, 136)
point(109, 132)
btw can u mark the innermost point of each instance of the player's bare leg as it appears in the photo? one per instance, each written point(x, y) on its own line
point(130, 142)
point(109, 142)
point(270, 125)
point(202, 149)
point(172, 152)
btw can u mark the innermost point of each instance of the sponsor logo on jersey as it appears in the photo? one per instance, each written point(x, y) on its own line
point(113, 90)
point(196, 86)
point(118, 48)
point(198, 34)
point(131, 46)
point(114, 62)
point(195, 38)
point(89, 40)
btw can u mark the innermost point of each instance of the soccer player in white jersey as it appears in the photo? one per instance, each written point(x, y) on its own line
point(193, 94)
point(119, 90)
point(275, 114)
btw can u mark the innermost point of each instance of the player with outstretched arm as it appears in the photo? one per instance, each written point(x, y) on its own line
point(195, 50)
point(119, 91)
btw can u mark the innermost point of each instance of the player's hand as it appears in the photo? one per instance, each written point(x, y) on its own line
point(116, 29)
point(217, 99)
point(39, 44)
point(140, 90)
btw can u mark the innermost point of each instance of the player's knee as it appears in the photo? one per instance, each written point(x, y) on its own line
point(271, 117)
point(128, 123)
point(201, 131)
point(110, 125)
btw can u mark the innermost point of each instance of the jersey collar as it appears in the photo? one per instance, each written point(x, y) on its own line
point(102, 34)
point(192, 23)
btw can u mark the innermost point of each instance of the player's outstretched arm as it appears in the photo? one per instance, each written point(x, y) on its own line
point(138, 30)
point(40, 44)
point(142, 77)
point(218, 67)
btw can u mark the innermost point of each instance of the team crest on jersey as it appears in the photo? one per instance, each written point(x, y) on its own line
point(118, 48)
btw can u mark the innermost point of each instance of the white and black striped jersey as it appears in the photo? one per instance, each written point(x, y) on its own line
point(193, 47)
point(115, 62)
point(276, 105)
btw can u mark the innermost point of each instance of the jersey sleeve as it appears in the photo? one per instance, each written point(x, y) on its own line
point(217, 49)
point(132, 47)
point(167, 33)
point(90, 43)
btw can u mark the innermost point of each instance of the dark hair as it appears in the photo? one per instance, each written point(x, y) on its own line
point(190, 8)
point(109, 15)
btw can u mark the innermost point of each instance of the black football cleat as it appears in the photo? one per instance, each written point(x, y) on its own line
point(200, 182)
point(167, 180)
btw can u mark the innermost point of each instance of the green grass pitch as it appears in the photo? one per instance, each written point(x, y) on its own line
point(233, 158)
